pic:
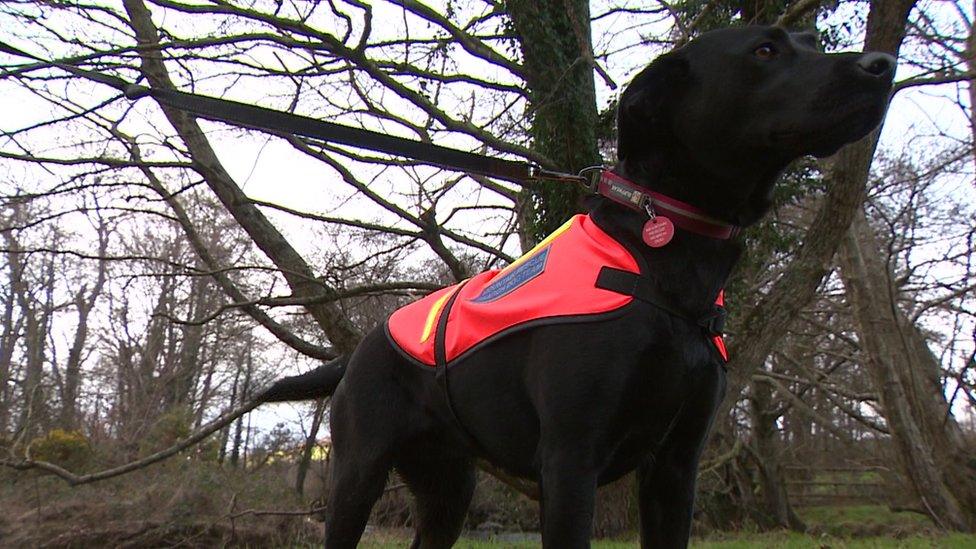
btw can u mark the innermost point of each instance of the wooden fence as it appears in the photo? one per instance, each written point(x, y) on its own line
point(810, 486)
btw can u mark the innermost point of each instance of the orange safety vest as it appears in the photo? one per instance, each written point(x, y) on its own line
point(553, 282)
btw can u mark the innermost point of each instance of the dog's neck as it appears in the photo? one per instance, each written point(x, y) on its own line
point(690, 268)
point(737, 192)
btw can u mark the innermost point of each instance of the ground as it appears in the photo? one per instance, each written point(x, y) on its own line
point(833, 527)
point(779, 540)
point(187, 504)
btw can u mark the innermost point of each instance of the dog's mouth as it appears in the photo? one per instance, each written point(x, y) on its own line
point(823, 133)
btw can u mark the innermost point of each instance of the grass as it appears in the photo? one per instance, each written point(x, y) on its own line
point(835, 527)
point(779, 540)
point(192, 502)
point(792, 540)
point(865, 521)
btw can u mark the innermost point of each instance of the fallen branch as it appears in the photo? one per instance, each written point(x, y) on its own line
point(526, 487)
point(298, 512)
point(75, 479)
point(263, 513)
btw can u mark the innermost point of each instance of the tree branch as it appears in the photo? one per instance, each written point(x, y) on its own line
point(796, 12)
point(330, 318)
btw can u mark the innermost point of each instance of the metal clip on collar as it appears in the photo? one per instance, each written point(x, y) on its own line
point(538, 173)
point(649, 207)
point(590, 177)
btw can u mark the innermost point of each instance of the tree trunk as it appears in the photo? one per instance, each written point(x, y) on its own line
point(68, 417)
point(313, 432)
point(554, 37)
point(8, 339)
point(225, 432)
point(765, 324)
point(776, 501)
point(970, 56)
point(36, 317)
point(933, 455)
point(203, 402)
point(84, 303)
point(187, 366)
point(235, 454)
point(139, 365)
point(299, 275)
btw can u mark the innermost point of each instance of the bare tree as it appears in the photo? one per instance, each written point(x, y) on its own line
point(200, 253)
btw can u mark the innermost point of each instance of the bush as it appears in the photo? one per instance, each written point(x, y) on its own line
point(68, 449)
point(173, 425)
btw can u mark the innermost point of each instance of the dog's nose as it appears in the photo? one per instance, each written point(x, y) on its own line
point(877, 64)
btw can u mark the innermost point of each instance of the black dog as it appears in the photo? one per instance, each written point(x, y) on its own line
point(574, 405)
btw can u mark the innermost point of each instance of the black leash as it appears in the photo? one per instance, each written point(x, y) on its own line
point(260, 118)
point(251, 116)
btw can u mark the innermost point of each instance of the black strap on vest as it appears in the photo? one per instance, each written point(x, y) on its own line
point(642, 288)
point(440, 362)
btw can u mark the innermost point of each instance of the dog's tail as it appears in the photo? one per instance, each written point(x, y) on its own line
point(319, 383)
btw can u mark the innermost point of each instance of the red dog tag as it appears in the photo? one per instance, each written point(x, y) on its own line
point(657, 231)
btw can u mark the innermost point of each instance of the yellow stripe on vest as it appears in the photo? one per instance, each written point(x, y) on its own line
point(545, 242)
point(435, 310)
point(432, 316)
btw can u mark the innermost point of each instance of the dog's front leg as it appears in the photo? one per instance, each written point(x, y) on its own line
point(568, 493)
point(666, 498)
point(666, 480)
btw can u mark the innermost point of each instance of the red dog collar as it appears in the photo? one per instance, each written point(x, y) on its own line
point(683, 215)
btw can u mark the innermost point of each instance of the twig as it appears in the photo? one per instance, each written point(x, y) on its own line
point(419, 288)
point(721, 460)
point(802, 406)
point(683, 34)
point(586, 47)
point(699, 18)
point(933, 81)
point(796, 11)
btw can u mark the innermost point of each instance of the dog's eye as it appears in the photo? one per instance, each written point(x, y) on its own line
point(765, 51)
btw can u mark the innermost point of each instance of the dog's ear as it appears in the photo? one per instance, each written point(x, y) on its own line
point(807, 39)
point(642, 111)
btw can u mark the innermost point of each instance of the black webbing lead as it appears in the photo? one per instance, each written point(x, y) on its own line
point(252, 116)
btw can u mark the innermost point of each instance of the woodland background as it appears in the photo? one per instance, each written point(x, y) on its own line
point(158, 271)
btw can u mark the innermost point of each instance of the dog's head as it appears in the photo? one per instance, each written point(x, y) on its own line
point(735, 106)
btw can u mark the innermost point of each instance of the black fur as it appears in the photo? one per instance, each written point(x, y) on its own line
point(320, 382)
point(573, 406)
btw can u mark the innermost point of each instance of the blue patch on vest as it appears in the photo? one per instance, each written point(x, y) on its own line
point(514, 279)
